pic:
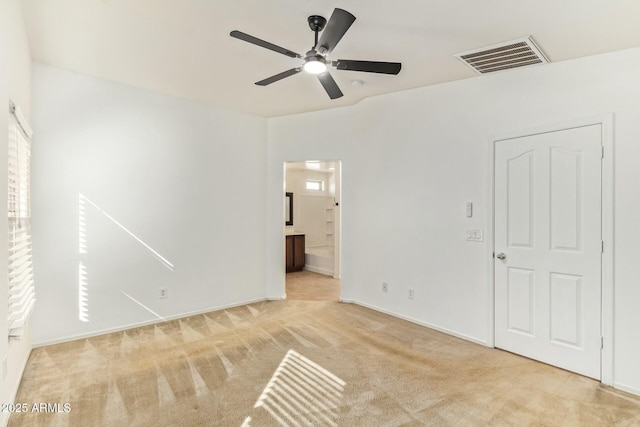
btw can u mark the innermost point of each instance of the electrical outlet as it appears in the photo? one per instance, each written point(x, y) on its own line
point(412, 293)
point(385, 287)
point(163, 293)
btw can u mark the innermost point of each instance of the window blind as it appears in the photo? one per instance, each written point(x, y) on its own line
point(21, 288)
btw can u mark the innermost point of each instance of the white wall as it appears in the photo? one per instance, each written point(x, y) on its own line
point(15, 84)
point(411, 160)
point(184, 178)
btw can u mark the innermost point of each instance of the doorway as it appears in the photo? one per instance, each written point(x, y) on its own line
point(312, 232)
point(551, 283)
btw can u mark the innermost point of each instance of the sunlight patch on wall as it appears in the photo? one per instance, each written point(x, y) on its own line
point(300, 392)
point(162, 259)
point(82, 228)
point(143, 306)
point(83, 283)
point(83, 298)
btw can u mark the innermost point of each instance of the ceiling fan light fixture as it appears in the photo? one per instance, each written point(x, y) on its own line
point(315, 61)
point(315, 65)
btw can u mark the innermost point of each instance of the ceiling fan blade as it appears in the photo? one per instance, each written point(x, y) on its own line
point(280, 76)
point(368, 66)
point(330, 85)
point(259, 42)
point(338, 24)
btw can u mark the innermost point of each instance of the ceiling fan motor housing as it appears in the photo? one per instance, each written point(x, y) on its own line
point(316, 23)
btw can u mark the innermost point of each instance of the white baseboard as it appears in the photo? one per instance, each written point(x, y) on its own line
point(319, 270)
point(282, 298)
point(145, 323)
point(627, 388)
point(347, 301)
point(421, 323)
point(617, 385)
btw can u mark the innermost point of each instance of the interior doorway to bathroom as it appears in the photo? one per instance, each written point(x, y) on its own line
point(312, 201)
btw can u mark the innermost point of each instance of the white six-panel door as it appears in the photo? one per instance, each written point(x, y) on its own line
point(547, 229)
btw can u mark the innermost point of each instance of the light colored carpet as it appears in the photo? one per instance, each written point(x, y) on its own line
point(305, 363)
point(310, 286)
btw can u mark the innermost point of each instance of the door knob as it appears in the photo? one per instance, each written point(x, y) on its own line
point(501, 256)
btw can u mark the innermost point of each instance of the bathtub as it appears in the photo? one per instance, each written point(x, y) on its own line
point(319, 259)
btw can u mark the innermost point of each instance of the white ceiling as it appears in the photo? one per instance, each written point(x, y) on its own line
point(183, 48)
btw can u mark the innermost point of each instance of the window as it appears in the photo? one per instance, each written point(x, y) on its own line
point(314, 185)
point(21, 290)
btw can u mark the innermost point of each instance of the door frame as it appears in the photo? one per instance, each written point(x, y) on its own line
point(337, 267)
point(607, 189)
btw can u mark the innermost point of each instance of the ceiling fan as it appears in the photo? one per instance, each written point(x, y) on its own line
point(315, 60)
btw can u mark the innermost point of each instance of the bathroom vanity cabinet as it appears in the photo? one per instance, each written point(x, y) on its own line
point(295, 252)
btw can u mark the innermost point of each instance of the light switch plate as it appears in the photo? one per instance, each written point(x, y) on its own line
point(474, 235)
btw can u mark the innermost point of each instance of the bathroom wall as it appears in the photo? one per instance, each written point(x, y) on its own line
point(309, 206)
